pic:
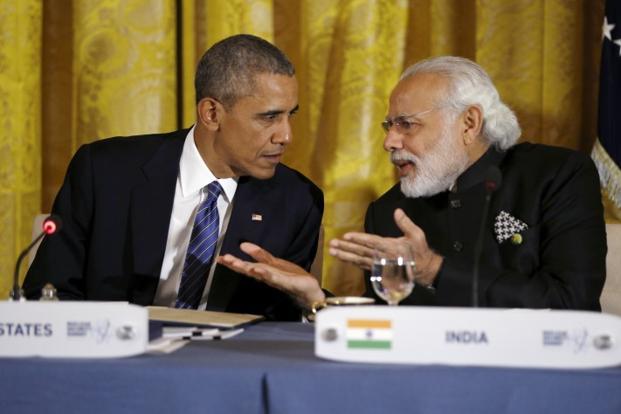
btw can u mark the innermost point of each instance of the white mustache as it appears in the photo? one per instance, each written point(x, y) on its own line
point(403, 155)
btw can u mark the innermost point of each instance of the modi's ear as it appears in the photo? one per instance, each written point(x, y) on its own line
point(210, 113)
point(472, 123)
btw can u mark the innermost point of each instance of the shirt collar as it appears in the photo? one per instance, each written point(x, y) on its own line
point(194, 174)
point(477, 171)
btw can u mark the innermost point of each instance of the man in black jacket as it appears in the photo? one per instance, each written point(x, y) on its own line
point(544, 242)
point(131, 205)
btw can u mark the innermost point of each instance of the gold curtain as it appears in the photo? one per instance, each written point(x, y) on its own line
point(109, 68)
point(20, 129)
point(123, 67)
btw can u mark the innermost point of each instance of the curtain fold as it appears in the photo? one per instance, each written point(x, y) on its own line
point(205, 23)
point(81, 70)
point(124, 68)
point(349, 55)
point(20, 120)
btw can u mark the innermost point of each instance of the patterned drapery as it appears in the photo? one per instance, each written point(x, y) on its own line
point(72, 71)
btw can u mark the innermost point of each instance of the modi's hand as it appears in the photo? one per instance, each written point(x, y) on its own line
point(278, 273)
point(360, 248)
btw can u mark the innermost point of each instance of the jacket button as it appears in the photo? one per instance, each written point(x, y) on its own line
point(457, 246)
point(455, 203)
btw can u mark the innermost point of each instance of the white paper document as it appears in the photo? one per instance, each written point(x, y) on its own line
point(176, 337)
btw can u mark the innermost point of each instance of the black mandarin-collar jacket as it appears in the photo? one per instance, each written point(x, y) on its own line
point(560, 262)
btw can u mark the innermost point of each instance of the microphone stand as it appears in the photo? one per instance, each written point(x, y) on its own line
point(17, 293)
point(492, 182)
point(50, 226)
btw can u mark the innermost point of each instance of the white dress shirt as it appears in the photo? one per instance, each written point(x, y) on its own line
point(190, 191)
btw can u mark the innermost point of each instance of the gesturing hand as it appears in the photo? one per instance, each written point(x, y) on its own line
point(278, 273)
point(359, 248)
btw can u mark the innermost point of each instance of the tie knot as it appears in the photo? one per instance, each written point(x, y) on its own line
point(213, 189)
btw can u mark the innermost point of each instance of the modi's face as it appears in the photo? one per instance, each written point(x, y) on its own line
point(423, 136)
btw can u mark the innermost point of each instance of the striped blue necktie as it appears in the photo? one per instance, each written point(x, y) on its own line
point(200, 251)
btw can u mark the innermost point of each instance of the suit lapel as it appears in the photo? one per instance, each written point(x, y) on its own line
point(151, 206)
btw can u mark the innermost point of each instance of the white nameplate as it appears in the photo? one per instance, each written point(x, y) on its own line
point(469, 336)
point(72, 329)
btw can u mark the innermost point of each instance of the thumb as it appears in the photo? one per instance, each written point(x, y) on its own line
point(257, 253)
point(404, 223)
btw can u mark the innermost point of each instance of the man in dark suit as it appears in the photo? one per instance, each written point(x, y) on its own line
point(543, 243)
point(130, 206)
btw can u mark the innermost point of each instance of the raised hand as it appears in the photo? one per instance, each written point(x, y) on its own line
point(359, 248)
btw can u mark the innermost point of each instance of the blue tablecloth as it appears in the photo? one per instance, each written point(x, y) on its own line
point(271, 368)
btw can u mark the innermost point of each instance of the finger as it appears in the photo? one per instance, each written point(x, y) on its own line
point(234, 263)
point(267, 274)
point(287, 266)
point(261, 271)
point(371, 241)
point(253, 270)
point(370, 244)
point(303, 286)
point(352, 247)
point(256, 252)
point(227, 259)
point(360, 261)
point(407, 226)
point(296, 284)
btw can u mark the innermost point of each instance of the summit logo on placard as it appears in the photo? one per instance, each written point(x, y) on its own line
point(100, 330)
point(576, 339)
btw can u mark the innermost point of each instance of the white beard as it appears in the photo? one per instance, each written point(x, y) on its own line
point(435, 171)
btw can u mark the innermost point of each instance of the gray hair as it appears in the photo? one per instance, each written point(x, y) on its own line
point(471, 85)
point(227, 70)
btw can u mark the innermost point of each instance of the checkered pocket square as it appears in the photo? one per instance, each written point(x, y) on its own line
point(506, 226)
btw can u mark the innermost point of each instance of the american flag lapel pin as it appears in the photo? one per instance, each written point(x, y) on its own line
point(256, 217)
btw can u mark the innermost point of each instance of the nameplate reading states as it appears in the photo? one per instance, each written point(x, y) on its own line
point(469, 336)
point(72, 329)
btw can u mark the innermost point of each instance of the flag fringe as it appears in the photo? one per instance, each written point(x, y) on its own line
point(609, 173)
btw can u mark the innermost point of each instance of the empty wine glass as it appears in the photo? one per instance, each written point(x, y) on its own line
point(392, 276)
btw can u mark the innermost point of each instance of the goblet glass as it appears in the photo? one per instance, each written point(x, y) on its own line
point(392, 276)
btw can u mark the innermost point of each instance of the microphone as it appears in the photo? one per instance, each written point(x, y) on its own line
point(50, 225)
point(493, 179)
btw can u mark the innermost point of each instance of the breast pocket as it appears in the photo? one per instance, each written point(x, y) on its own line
point(521, 251)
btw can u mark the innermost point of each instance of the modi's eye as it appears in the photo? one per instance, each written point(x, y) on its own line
point(404, 124)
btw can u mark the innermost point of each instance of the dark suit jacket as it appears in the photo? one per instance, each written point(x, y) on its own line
point(116, 203)
point(561, 260)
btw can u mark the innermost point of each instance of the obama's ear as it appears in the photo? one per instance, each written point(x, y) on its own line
point(210, 113)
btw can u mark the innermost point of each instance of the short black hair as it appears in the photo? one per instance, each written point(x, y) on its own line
point(227, 70)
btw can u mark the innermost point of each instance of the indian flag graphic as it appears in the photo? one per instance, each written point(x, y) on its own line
point(369, 334)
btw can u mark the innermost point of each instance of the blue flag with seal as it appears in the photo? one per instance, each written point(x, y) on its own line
point(607, 149)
